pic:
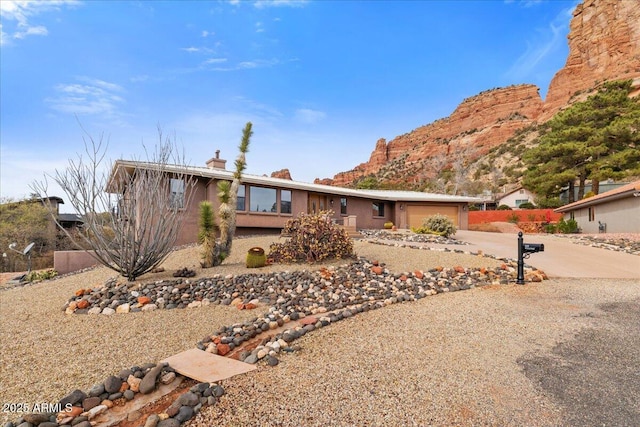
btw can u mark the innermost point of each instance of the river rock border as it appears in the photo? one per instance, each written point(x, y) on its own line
point(81, 409)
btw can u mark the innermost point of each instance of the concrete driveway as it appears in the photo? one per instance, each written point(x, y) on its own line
point(561, 257)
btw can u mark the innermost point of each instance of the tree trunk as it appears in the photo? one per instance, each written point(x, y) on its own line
point(595, 186)
point(572, 194)
point(582, 180)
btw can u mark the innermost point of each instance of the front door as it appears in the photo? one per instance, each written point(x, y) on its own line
point(316, 203)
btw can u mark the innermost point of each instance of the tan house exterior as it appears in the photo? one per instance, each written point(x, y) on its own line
point(265, 204)
point(615, 211)
point(515, 198)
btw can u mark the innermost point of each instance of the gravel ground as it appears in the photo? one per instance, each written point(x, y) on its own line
point(46, 354)
point(452, 359)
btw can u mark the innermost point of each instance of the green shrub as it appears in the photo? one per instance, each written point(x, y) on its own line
point(514, 218)
point(567, 227)
point(312, 238)
point(438, 224)
point(36, 276)
point(256, 258)
point(550, 228)
point(504, 208)
point(527, 205)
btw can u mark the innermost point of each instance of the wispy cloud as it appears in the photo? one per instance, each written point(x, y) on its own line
point(18, 15)
point(259, 27)
point(248, 65)
point(308, 116)
point(193, 49)
point(524, 3)
point(261, 4)
point(547, 40)
point(90, 97)
point(215, 60)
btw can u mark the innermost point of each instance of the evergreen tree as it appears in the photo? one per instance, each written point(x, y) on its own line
point(592, 140)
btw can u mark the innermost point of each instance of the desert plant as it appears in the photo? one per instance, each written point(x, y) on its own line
point(513, 218)
point(438, 224)
point(256, 258)
point(550, 228)
point(132, 211)
point(36, 276)
point(207, 233)
point(312, 238)
point(388, 225)
point(228, 197)
point(568, 226)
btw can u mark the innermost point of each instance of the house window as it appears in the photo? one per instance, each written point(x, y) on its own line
point(343, 205)
point(592, 214)
point(262, 199)
point(520, 201)
point(285, 201)
point(378, 208)
point(176, 188)
point(242, 198)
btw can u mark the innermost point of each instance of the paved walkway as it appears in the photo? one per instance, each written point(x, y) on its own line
point(561, 257)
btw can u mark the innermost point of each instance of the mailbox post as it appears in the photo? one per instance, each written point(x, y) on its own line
point(524, 250)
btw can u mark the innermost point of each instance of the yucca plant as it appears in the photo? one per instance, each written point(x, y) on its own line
point(207, 233)
point(228, 197)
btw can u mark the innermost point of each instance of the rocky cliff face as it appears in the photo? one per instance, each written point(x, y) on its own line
point(282, 173)
point(604, 43)
point(476, 126)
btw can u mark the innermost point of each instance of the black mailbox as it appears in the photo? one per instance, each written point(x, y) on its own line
point(530, 248)
point(524, 249)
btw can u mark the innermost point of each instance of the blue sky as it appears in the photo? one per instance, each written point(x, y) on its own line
point(321, 81)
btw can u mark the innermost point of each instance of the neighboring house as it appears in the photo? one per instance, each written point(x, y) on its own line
point(605, 186)
point(265, 204)
point(615, 211)
point(515, 198)
point(66, 220)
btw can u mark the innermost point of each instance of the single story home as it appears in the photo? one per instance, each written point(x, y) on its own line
point(265, 203)
point(614, 211)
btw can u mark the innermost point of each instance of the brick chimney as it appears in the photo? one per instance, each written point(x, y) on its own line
point(216, 162)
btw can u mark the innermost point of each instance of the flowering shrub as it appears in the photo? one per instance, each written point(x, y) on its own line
point(312, 238)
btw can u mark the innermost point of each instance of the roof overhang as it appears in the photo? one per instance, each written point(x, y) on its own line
point(128, 167)
point(597, 201)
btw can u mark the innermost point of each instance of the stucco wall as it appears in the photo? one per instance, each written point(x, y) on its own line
point(620, 216)
point(68, 261)
point(510, 199)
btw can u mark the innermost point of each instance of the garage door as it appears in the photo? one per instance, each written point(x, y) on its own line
point(416, 214)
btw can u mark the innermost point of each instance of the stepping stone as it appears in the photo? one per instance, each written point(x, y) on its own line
point(206, 367)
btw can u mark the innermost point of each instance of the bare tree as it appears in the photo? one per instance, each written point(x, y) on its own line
point(228, 197)
point(143, 202)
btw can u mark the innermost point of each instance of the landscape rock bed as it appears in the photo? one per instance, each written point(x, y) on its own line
point(411, 237)
point(83, 409)
point(288, 292)
point(629, 244)
point(312, 299)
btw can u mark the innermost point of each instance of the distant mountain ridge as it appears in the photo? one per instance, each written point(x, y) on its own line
point(604, 44)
